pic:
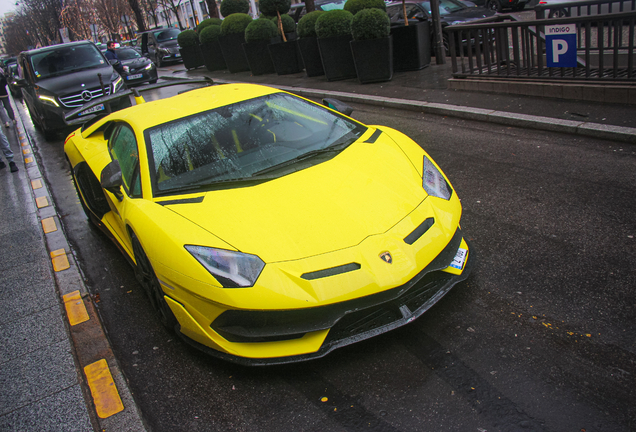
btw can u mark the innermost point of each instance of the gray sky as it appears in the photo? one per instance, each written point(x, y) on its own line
point(7, 6)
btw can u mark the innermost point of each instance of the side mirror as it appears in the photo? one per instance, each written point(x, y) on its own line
point(335, 104)
point(111, 179)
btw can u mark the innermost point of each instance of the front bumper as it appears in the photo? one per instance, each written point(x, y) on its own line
point(342, 323)
point(146, 76)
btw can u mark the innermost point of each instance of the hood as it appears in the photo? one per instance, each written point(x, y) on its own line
point(468, 14)
point(169, 44)
point(365, 190)
point(71, 83)
point(136, 62)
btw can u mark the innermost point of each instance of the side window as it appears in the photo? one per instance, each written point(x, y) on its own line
point(123, 148)
point(394, 13)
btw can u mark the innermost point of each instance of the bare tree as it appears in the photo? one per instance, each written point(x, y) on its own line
point(150, 8)
point(173, 5)
point(139, 16)
point(109, 13)
point(213, 10)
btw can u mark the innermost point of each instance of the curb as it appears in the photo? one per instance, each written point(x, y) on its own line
point(588, 129)
point(106, 393)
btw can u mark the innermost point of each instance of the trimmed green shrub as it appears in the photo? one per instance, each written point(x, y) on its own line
point(289, 25)
point(210, 34)
point(370, 24)
point(355, 6)
point(207, 22)
point(270, 7)
point(235, 23)
point(333, 23)
point(188, 38)
point(307, 24)
point(260, 29)
point(229, 7)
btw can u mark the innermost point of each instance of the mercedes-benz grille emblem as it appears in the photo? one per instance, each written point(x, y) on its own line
point(86, 95)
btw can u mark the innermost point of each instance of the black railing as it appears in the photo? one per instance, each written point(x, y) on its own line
point(516, 49)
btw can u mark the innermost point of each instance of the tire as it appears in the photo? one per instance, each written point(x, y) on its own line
point(493, 5)
point(158, 61)
point(148, 280)
point(519, 8)
point(558, 13)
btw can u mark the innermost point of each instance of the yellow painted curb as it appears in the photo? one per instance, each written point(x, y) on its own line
point(103, 389)
point(75, 308)
point(36, 184)
point(59, 260)
point(48, 225)
point(42, 202)
point(26, 151)
point(28, 160)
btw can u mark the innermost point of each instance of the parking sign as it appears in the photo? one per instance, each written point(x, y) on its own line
point(560, 45)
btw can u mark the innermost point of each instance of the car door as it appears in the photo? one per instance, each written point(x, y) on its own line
point(123, 148)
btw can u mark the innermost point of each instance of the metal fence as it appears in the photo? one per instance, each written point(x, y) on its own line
point(507, 48)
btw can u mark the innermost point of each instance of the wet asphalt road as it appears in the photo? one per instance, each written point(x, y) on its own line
point(541, 337)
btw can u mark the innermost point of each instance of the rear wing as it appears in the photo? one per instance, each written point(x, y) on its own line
point(101, 106)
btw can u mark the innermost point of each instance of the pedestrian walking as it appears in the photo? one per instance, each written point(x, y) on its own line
point(4, 96)
point(8, 154)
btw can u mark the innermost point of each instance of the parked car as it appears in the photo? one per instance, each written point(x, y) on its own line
point(569, 8)
point(160, 45)
point(500, 5)
point(60, 78)
point(450, 11)
point(11, 72)
point(137, 69)
point(266, 228)
point(298, 10)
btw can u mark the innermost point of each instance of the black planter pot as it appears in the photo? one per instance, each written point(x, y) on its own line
point(258, 58)
point(337, 60)
point(286, 57)
point(373, 59)
point(212, 56)
point(232, 49)
point(192, 57)
point(311, 56)
point(411, 46)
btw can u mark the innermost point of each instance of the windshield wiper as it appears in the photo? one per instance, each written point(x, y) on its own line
point(210, 185)
point(338, 146)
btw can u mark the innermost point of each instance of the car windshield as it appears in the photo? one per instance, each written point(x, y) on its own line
point(127, 54)
point(166, 35)
point(334, 5)
point(253, 140)
point(445, 6)
point(65, 60)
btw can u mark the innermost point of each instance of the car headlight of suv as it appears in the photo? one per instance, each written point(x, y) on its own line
point(434, 182)
point(117, 82)
point(48, 100)
point(149, 66)
point(231, 269)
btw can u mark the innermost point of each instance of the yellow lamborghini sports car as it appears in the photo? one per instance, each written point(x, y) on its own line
point(267, 228)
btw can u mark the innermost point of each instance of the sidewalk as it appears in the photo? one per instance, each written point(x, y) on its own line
point(427, 91)
point(57, 372)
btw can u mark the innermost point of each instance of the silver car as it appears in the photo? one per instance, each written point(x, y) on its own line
point(574, 8)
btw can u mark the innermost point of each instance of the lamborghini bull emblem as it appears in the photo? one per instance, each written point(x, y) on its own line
point(386, 257)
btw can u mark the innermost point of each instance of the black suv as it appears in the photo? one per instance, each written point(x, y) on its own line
point(160, 45)
point(60, 78)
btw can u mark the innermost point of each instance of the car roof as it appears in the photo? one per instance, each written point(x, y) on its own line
point(153, 113)
point(52, 47)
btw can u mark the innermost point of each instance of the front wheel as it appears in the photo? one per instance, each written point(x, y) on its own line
point(493, 5)
point(558, 13)
point(158, 61)
point(148, 280)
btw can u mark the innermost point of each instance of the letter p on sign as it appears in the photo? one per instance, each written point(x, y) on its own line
point(560, 46)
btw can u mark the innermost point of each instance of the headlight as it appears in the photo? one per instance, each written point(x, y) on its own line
point(231, 269)
point(117, 83)
point(434, 182)
point(48, 100)
point(150, 66)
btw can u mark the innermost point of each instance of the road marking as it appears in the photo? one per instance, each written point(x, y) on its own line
point(103, 389)
point(42, 202)
point(48, 225)
point(75, 308)
point(59, 260)
point(36, 184)
point(26, 151)
point(25, 143)
point(28, 160)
